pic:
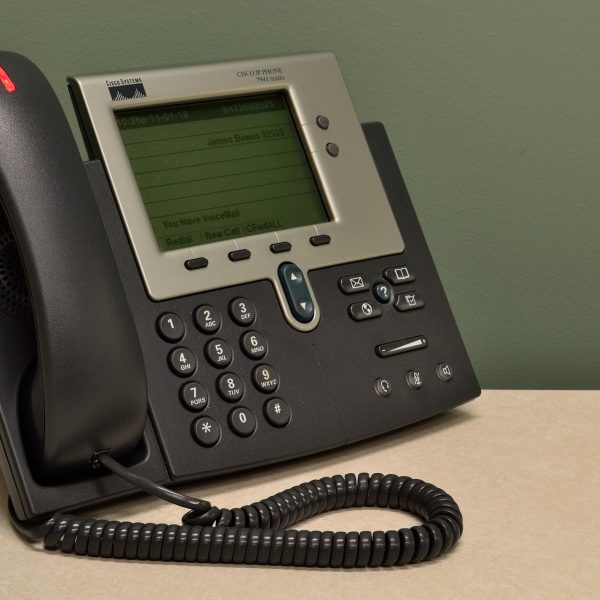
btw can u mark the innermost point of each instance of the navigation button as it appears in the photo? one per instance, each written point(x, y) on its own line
point(296, 292)
point(360, 311)
point(352, 284)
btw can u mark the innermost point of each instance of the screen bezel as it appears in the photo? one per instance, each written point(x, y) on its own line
point(362, 224)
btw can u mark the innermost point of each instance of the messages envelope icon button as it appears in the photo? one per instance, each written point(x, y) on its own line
point(350, 284)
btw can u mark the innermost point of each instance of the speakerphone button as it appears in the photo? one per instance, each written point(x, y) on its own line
point(444, 371)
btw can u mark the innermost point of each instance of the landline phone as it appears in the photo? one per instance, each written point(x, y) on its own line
point(236, 277)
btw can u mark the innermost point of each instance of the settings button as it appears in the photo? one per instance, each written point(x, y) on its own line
point(368, 309)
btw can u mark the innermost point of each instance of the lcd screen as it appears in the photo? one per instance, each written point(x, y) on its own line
point(220, 169)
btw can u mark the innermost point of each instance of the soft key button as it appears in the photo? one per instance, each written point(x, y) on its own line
point(296, 292)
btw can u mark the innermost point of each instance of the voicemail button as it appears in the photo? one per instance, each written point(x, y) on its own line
point(409, 301)
point(351, 284)
point(368, 309)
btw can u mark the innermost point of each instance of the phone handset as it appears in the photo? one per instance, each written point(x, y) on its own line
point(87, 390)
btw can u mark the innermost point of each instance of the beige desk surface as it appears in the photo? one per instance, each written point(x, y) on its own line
point(523, 467)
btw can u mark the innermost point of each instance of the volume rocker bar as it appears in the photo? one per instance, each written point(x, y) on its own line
point(401, 346)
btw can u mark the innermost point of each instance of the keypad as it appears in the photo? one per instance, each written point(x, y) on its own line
point(207, 319)
point(230, 387)
point(194, 396)
point(242, 311)
point(265, 378)
point(218, 353)
point(208, 385)
point(206, 431)
point(254, 345)
point(170, 327)
point(183, 362)
point(242, 421)
point(277, 412)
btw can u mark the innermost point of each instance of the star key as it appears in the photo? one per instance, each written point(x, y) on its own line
point(206, 431)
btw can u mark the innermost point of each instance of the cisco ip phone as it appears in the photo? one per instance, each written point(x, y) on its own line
point(235, 277)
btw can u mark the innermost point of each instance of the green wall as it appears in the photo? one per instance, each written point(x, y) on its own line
point(493, 108)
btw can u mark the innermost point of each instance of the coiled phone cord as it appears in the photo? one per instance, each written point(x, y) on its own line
point(258, 534)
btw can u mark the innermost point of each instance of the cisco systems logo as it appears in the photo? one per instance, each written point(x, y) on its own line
point(126, 89)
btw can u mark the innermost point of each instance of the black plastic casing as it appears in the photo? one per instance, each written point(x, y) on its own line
point(327, 376)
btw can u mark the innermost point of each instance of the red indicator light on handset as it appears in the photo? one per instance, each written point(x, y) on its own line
point(7, 82)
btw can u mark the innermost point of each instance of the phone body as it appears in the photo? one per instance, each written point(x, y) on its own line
point(235, 277)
